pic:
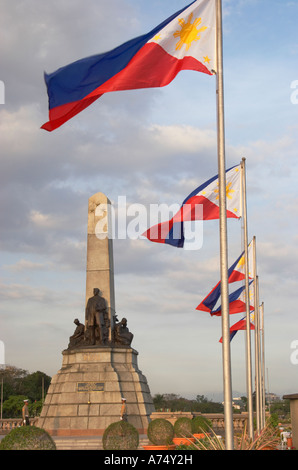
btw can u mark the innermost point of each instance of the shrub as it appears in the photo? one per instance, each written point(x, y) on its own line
point(120, 436)
point(160, 432)
point(182, 427)
point(27, 438)
point(200, 424)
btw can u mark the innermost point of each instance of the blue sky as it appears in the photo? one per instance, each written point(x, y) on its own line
point(152, 146)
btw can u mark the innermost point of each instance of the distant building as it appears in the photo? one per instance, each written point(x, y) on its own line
point(271, 397)
point(238, 403)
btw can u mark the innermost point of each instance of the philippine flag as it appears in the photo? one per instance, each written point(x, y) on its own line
point(201, 204)
point(185, 41)
point(235, 273)
point(240, 325)
point(237, 302)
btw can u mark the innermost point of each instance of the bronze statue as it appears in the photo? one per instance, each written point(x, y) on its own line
point(97, 322)
point(95, 332)
point(122, 335)
point(78, 337)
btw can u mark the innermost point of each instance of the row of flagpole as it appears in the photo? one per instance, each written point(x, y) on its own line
point(259, 326)
point(251, 280)
point(259, 347)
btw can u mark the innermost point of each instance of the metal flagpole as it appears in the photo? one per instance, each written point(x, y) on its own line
point(263, 367)
point(258, 346)
point(247, 301)
point(227, 376)
point(256, 314)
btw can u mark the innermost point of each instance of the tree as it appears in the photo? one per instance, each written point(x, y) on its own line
point(12, 407)
point(20, 382)
point(12, 377)
point(32, 385)
point(176, 403)
point(158, 401)
point(201, 399)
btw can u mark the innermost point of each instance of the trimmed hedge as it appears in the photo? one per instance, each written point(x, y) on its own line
point(120, 435)
point(160, 432)
point(27, 438)
point(200, 424)
point(182, 427)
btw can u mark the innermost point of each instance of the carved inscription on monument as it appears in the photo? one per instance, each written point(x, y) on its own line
point(90, 387)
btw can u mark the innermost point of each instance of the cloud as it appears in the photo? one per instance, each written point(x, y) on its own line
point(25, 265)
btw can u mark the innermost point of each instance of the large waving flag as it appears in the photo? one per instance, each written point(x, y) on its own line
point(185, 41)
point(235, 273)
point(201, 204)
point(237, 303)
point(240, 325)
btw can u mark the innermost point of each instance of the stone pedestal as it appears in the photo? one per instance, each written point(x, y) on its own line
point(85, 395)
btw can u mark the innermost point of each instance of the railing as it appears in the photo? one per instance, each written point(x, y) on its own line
point(8, 424)
point(217, 420)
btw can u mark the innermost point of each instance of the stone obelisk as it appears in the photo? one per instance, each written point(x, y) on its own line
point(100, 262)
point(85, 395)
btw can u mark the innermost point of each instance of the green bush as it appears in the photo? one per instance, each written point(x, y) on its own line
point(200, 424)
point(27, 438)
point(160, 432)
point(120, 436)
point(182, 427)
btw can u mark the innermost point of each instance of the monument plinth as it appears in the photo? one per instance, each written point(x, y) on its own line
point(85, 395)
point(99, 367)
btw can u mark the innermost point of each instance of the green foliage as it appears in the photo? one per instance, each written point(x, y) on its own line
point(18, 384)
point(174, 402)
point(200, 424)
point(160, 432)
point(27, 438)
point(120, 436)
point(273, 420)
point(32, 385)
point(12, 408)
point(12, 377)
point(182, 427)
point(159, 402)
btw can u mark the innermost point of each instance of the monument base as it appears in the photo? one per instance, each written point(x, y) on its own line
point(84, 397)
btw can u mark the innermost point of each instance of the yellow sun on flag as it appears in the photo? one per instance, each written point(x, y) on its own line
point(229, 191)
point(189, 32)
point(241, 262)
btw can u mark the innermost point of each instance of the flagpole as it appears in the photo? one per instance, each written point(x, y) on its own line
point(263, 365)
point(227, 376)
point(256, 314)
point(258, 341)
point(247, 302)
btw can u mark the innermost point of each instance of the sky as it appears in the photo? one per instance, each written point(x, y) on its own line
point(152, 146)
